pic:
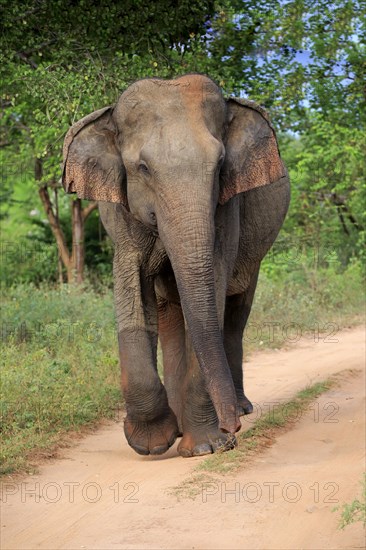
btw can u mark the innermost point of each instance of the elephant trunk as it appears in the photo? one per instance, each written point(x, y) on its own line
point(189, 241)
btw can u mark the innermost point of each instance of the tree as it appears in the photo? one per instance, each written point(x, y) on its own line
point(63, 59)
point(303, 60)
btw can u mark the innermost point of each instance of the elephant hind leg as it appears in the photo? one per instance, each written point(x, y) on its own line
point(237, 311)
point(185, 386)
point(172, 340)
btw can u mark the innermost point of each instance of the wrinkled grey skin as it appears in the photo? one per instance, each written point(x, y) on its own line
point(193, 193)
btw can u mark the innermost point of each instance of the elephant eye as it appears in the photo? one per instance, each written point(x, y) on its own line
point(143, 168)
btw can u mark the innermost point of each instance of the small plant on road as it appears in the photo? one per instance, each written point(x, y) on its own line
point(355, 511)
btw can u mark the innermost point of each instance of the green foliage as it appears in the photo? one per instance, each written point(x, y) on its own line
point(256, 438)
point(45, 29)
point(283, 53)
point(60, 367)
point(303, 60)
point(28, 252)
point(327, 174)
point(354, 511)
point(59, 348)
point(301, 299)
point(27, 260)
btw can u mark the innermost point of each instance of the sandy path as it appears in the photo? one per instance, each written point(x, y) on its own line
point(103, 495)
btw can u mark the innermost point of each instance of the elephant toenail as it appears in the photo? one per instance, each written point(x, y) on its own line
point(203, 449)
point(248, 409)
point(185, 453)
point(159, 449)
point(140, 450)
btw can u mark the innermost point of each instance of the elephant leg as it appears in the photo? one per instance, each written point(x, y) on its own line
point(201, 433)
point(236, 316)
point(172, 340)
point(150, 425)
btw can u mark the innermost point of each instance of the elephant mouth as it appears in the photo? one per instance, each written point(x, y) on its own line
point(152, 225)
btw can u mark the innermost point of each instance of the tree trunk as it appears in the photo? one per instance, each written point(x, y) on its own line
point(74, 262)
point(59, 261)
point(75, 272)
point(55, 226)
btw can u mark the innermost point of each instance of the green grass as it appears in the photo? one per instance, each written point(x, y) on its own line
point(354, 511)
point(60, 359)
point(261, 434)
point(259, 437)
point(60, 368)
point(298, 300)
point(191, 487)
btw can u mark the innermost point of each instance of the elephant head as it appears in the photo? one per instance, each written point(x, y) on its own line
point(170, 152)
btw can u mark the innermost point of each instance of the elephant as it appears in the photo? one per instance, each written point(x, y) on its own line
point(192, 190)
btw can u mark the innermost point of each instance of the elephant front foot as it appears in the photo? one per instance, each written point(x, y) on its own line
point(152, 437)
point(204, 441)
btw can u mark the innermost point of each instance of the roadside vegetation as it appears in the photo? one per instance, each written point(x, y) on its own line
point(354, 511)
point(264, 430)
point(60, 368)
point(303, 62)
point(250, 443)
point(60, 358)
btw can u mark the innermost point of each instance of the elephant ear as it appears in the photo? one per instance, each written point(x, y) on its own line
point(252, 157)
point(93, 167)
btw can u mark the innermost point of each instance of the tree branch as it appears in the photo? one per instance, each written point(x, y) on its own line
point(27, 60)
point(339, 210)
point(55, 227)
point(89, 209)
point(54, 223)
point(339, 202)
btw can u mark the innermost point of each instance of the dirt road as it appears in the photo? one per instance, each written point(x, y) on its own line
point(103, 495)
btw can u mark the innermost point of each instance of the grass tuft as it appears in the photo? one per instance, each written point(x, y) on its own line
point(255, 440)
point(354, 511)
point(191, 487)
point(263, 432)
